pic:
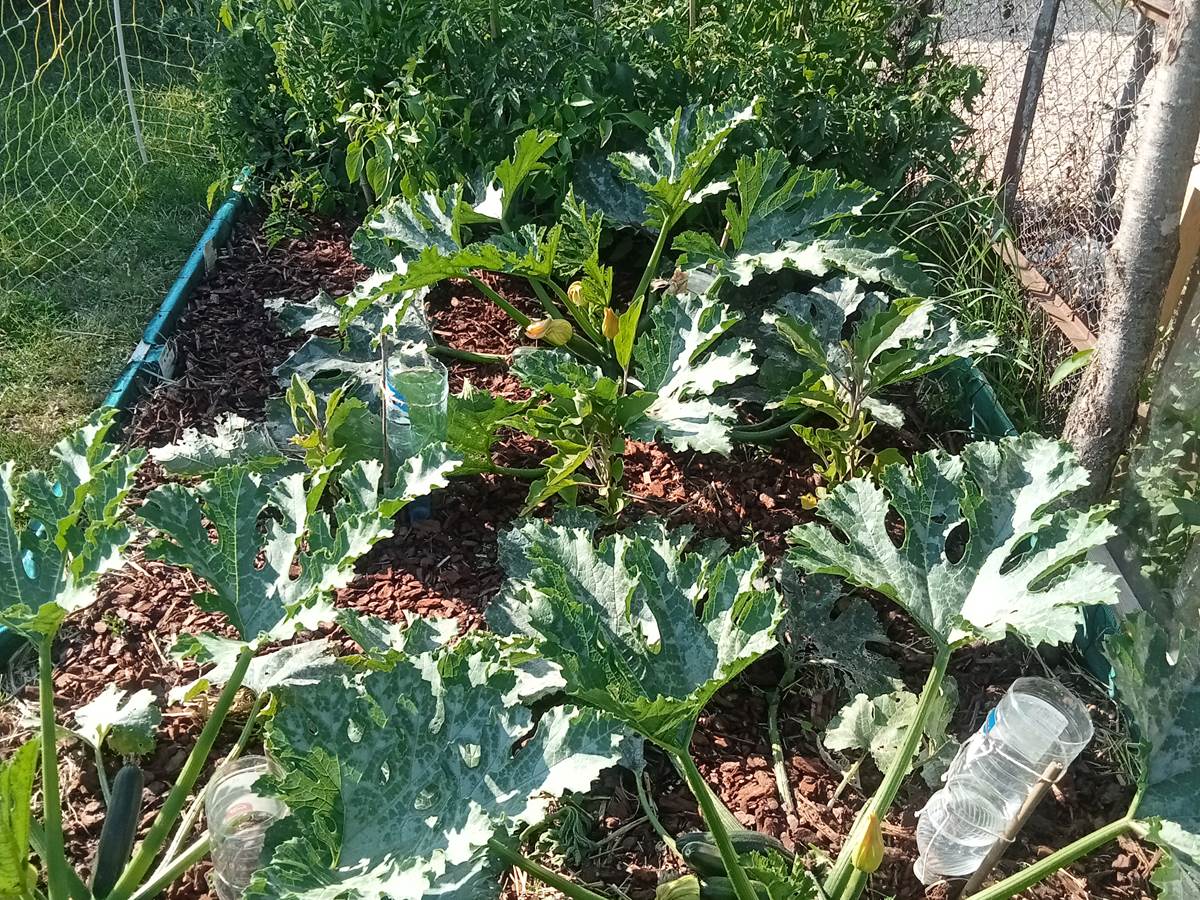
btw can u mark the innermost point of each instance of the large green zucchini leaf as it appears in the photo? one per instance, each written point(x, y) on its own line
point(639, 626)
point(989, 545)
point(397, 777)
point(1158, 681)
point(61, 530)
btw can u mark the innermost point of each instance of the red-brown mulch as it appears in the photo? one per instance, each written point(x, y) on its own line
point(446, 566)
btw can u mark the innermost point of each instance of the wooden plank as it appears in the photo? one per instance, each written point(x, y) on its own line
point(1053, 306)
point(1157, 10)
point(1189, 250)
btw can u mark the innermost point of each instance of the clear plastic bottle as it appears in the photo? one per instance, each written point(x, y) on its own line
point(238, 819)
point(418, 392)
point(1037, 723)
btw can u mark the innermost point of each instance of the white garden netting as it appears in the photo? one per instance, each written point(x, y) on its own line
point(70, 163)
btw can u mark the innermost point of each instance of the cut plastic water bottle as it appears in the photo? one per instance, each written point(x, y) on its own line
point(1038, 723)
point(417, 400)
point(238, 819)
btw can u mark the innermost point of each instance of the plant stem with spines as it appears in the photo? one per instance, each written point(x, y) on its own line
point(841, 885)
point(652, 265)
point(147, 852)
point(1044, 868)
point(171, 869)
point(716, 826)
point(57, 881)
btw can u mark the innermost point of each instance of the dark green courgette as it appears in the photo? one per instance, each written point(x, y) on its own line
point(119, 830)
point(702, 855)
point(720, 888)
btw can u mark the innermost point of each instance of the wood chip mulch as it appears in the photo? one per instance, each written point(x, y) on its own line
point(225, 349)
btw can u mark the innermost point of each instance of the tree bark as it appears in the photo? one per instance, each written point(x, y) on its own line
point(1142, 256)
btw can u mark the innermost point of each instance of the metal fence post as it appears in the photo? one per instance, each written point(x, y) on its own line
point(1122, 121)
point(1027, 102)
point(137, 126)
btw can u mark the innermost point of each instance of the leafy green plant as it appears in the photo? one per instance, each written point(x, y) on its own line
point(988, 549)
point(665, 339)
point(641, 628)
point(59, 532)
point(365, 93)
point(276, 559)
point(645, 370)
point(842, 349)
point(402, 779)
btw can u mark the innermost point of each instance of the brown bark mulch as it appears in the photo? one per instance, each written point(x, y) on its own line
point(446, 565)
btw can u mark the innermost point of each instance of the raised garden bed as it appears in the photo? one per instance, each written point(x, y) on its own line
point(703, 476)
point(225, 349)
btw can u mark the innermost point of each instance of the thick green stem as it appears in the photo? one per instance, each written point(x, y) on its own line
point(1044, 868)
point(75, 886)
point(147, 852)
point(652, 265)
point(544, 299)
point(579, 346)
point(541, 873)
point(576, 313)
point(101, 772)
point(193, 813)
point(56, 853)
point(716, 825)
point(484, 359)
point(173, 868)
point(838, 885)
point(587, 347)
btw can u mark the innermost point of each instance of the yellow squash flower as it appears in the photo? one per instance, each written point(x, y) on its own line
point(868, 855)
point(612, 325)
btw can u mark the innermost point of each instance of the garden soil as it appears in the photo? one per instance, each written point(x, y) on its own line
point(446, 566)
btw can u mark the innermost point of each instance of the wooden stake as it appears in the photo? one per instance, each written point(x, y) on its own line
point(1027, 103)
point(1036, 793)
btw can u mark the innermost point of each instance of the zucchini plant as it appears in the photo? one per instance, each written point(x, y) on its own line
point(666, 347)
point(813, 363)
point(989, 548)
point(60, 531)
point(276, 558)
point(643, 629)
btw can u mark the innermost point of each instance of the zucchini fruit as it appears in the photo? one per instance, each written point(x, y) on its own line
point(119, 830)
point(721, 888)
point(702, 855)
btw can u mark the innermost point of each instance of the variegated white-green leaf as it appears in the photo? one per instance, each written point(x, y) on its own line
point(397, 778)
point(1157, 677)
point(682, 360)
point(1021, 565)
point(299, 664)
point(818, 627)
point(639, 626)
point(127, 721)
point(263, 596)
point(675, 172)
point(61, 530)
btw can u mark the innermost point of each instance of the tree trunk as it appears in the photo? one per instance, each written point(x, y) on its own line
point(1142, 256)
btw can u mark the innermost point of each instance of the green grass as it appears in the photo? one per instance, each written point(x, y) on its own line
point(89, 243)
point(955, 237)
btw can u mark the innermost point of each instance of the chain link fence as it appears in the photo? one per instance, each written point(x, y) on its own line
point(1098, 73)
